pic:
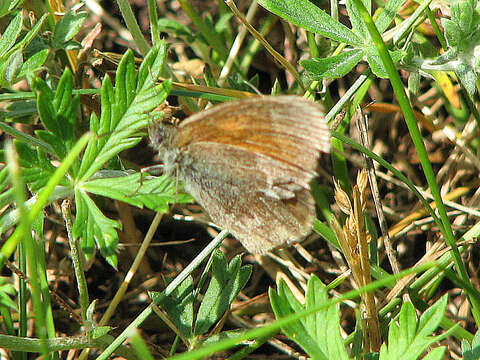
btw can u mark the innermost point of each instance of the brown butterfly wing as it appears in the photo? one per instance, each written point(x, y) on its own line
point(256, 198)
point(250, 163)
point(289, 129)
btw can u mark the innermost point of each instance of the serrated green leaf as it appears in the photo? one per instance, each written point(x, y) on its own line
point(286, 294)
point(68, 26)
point(226, 283)
point(53, 140)
point(407, 326)
point(151, 68)
point(318, 334)
point(431, 318)
point(36, 167)
point(393, 336)
point(178, 305)
point(405, 345)
point(305, 14)
point(295, 330)
point(125, 108)
point(10, 34)
point(324, 326)
point(333, 67)
point(46, 109)
point(93, 227)
point(58, 113)
point(155, 193)
point(63, 94)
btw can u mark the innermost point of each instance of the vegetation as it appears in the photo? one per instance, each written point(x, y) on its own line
point(390, 271)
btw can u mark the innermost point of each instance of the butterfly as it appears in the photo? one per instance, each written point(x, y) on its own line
point(249, 164)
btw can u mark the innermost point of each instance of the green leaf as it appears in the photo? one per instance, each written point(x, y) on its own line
point(178, 305)
point(6, 291)
point(95, 228)
point(407, 327)
point(4, 181)
point(294, 330)
point(226, 283)
point(155, 193)
point(224, 335)
point(431, 318)
point(452, 32)
point(436, 354)
point(94, 331)
point(19, 110)
point(11, 34)
point(99, 331)
point(177, 29)
point(388, 14)
point(333, 67)
point(125, 108)
point(223, 23)
point(33, 64)
point(36, 167)
point(305, 14)
point(68, 26)
point(318, 334)
point(471, 351)
point(467, 77)
point(358, 25)
point(407, 339)
point(324, 326)
point(53, 141)
point(57, 112)
point(376, 63)
point(11, 68)
point(462, 14)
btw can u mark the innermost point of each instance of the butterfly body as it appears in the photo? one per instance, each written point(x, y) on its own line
point(249, 164)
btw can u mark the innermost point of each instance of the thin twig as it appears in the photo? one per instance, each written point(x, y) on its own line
point(362, 124)
point(237, 44)
point(289, 67)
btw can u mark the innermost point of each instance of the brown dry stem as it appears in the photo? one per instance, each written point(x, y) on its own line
point(354, 239)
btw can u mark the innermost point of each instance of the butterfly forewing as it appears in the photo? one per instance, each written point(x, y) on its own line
point(288, 128)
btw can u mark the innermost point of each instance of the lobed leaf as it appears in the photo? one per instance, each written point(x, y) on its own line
point(178, 305)
point(305, 14)
point(226, 283)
